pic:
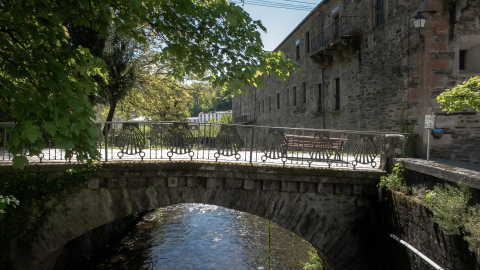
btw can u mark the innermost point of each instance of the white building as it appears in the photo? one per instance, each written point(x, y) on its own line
point(206, 116)
point(193, 119)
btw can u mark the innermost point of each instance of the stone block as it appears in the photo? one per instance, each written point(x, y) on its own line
point(133, 182)
point(395, 145)
point(152, 181)
point(117, 183)
point(142, 182)
point(211, 182)
point(162, 181)
point(230, 183)
point(343, 189)
point(191, 181)
point(182, 181)
point(325, 188)
point(103, 183)
point(307, 187)
point(172, 181)
point(271, 185)
point(289, 186)
point(249, 184)
point(102, 174)
point(131, 173)
point(357, 189)
point(94, 184)
point(149, 174)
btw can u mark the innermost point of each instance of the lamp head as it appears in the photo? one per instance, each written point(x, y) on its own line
point(419, 21)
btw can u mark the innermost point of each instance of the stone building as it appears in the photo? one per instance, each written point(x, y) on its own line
point(363, 61)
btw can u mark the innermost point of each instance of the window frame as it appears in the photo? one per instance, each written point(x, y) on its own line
point(338, 93)
point(288, 97)
point(307, 42)
point(463, 60)
point(304, 92)
point(294, 96)
point(379, 9)
point(320, 99)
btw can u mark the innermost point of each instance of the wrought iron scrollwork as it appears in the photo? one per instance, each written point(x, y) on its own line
point(131, 141)
point(321, 149)
point(365, 152)
point(227, 143)
point(180, 141)
point(275, 146)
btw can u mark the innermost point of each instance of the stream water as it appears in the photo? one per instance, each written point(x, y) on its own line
point(199, 236)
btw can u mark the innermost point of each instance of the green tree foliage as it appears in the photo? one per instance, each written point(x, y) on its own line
point(206, 98)
point(225, 119)
point(45, 80)
point(464, 95)
point(117, 51)
point(156, 97)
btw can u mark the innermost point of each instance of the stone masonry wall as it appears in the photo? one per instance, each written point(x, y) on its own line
point(395, 65)
point(410, 221)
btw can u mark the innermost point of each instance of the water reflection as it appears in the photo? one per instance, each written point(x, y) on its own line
point(199, 236)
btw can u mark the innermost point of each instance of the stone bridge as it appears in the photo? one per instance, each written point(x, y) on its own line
point(327, 207)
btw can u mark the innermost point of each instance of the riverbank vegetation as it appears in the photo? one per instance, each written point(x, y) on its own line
point(452, 205)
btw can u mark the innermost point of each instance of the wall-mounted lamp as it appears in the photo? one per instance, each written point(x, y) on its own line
point(419, 20)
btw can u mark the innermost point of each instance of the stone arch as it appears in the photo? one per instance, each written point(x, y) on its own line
point(336, 223)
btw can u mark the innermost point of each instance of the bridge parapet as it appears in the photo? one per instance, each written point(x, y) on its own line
point(115, 175)
point(143, 141)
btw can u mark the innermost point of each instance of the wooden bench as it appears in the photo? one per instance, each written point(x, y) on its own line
point(304, 142)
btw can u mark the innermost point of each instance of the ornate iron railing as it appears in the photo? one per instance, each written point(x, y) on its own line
point(222, 142)
point(343, 26)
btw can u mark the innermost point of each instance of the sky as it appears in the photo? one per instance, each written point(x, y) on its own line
point(278, 21)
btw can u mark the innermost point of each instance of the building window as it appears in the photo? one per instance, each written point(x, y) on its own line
point(297, 51)
point(278, 101)
point(379, 13)
point(335, 10)
point(307, 42)
point(259, 107)
point(269, 104)
point(288, 97)
point(336, 27)
point(263, 106)
point(463, 60)
point(294, 97)
point(304, 94)
point(337, 94)
point(320, 100)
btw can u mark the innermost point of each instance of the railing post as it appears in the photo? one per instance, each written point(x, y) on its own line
point(251, 146)
point(106, 141)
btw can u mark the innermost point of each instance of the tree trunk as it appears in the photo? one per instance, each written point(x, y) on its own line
point(111, 112)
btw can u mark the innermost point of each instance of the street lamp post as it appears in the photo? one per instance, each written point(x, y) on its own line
point(418, 22)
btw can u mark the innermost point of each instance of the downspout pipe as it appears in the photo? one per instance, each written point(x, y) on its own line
point(414, 250)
